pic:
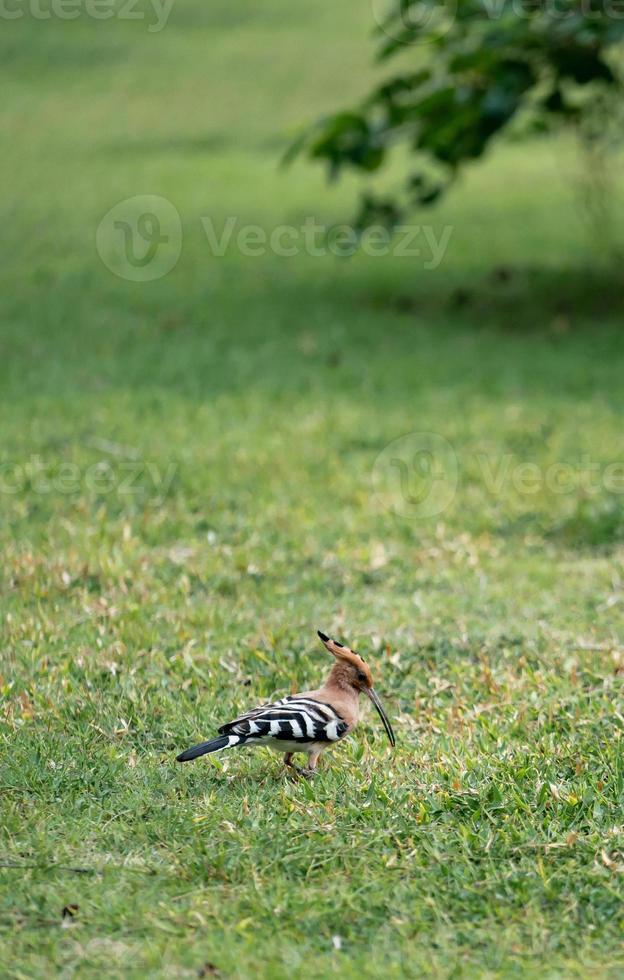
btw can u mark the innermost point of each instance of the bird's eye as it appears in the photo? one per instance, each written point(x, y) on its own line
point(361, 676)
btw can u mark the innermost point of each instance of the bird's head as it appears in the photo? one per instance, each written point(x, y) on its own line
point(355, 672)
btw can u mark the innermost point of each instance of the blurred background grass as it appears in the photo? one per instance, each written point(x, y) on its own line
point(262, 390)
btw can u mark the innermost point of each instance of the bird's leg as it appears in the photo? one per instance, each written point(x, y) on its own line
point(310, 769)
point(296, 771)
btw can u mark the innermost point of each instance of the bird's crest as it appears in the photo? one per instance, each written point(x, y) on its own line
point(342, 652)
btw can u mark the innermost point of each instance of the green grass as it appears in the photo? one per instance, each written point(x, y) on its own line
point(262, 391)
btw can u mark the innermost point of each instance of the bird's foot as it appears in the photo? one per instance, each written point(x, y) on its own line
point(298, 772)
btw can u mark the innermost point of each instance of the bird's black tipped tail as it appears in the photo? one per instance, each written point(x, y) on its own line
point(214, 745)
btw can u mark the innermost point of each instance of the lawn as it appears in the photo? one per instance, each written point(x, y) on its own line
point(195, 476)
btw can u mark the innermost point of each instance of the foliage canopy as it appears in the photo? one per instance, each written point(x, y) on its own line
point(479, 66)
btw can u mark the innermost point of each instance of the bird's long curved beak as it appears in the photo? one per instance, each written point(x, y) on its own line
point(370, 691)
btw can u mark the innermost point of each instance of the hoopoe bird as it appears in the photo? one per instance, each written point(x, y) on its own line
point(310, 722)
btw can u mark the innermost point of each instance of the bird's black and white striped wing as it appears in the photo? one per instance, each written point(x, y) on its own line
point(293, 719)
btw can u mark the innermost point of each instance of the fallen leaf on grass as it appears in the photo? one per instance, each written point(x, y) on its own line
point(26, 706)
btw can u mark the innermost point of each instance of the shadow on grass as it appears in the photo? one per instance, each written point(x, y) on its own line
point(311, 335)
point(591, 527)
point(524, 299)
point(272, 774)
